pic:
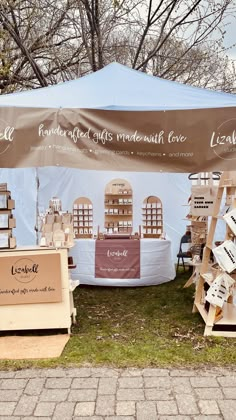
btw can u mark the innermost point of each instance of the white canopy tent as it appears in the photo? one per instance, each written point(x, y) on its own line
point(119, 88)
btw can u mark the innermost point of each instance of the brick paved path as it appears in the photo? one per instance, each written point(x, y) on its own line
point(118, 394)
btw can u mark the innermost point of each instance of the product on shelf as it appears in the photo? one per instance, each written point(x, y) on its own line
point(56, 226)
point(7, 221)
point(83, 218)
point(152, 225)
point(118, 207)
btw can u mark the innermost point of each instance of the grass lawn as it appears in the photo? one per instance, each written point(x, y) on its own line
point(138, 327)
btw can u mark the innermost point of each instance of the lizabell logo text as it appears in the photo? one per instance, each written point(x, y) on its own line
point(220, 139)
point(25, 270)
point(6, 134)
point(117, 253)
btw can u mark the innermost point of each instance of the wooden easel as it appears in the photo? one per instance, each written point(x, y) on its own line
point(219, 322)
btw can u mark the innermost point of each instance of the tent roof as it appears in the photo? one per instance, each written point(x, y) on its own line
point(121, 88)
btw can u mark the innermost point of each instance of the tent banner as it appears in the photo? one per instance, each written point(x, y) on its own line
point(169, 141)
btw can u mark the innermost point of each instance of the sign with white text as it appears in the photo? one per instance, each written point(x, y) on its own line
point(172, 141)
point(117, 259)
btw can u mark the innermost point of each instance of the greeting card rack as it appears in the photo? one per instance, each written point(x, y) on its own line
point(7, 221)
point(220, 319)
point(83, 218)
point(152, 217)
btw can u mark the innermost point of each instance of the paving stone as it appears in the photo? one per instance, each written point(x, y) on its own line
point(228, 409)
point(82, 395)
point(182, 372)
point(156, 372)
point(175, 418)
point(186, 404)
point(10, 394)
point(229, 381)
point(131, 372)
point(157, 382)
point(208, 407)
point(78, 373)
point(10, 418)
point(134, 382)
point(54, 395)
point(64, 411)
point(88, 418)
point(208, 418)
point(53, 373)
point(209, 393)
point(130, 394)
point(7, 375)
point(7, 408)
point(84, 409)
point(13, 383)
point(45, 409)
point(104, 373)
point(34, 386)
point(33, 418)
point(204, 382)
point(229, 393)
point(167, 407)
point(156, 394)
point(125, 408)
point(105, 405)
point(107, 386)
point(181, 385)
point(58, 383)
point(26, 405)
point(29, 373)
point(146, 410)
point(81, 383)
point(119, 418)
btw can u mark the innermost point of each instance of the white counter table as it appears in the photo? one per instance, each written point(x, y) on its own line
point(156, 264)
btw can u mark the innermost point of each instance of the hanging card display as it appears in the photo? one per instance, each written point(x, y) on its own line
point(225, 255)
point(219, 290)
point(230, 219)
point(202, 200)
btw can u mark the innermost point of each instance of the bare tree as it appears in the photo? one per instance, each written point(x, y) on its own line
point(46, 41)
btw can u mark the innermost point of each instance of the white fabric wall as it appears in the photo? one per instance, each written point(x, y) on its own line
point(69, 184)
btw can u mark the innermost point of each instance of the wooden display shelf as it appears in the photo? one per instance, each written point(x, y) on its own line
point(219, 322)
point(116, 192)
point(152, 212)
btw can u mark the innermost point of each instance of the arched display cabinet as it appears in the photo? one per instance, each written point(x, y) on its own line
point(118, 203)
point(152, 217)
point(83, 218)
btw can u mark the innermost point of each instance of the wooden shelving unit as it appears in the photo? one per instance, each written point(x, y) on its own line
point(7, 221)
point(219, 321)
point(83, 218)
point(152, 216)
point(118, 204)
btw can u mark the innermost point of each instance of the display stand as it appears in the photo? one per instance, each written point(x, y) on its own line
point(55, 314)
point(152, 217)
point(219, 321)
point(7, 221)
point(83, 218)
point(118, 207)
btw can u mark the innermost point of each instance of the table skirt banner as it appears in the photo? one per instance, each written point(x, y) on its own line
point(117, 259)
point(156, 264)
